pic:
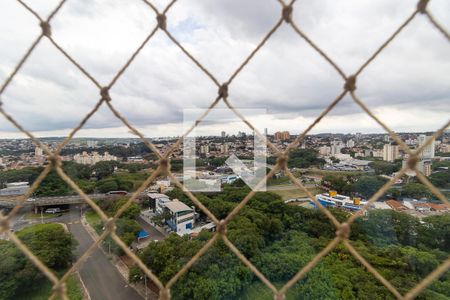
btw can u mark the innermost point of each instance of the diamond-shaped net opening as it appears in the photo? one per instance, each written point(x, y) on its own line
point(342, 228)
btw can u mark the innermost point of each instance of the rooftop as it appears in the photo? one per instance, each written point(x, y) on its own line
point(177, 206)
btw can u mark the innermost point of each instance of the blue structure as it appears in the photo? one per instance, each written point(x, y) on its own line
point(142, 234)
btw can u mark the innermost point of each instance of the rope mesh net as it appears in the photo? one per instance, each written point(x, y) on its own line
point(342, 229)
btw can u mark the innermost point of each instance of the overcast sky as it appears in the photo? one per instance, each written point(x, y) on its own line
point(407, 86)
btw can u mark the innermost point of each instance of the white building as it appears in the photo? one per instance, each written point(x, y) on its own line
point(350, 143)
point(182, 217)
point(428, 151)
point(336, 147)
point(92, 144)
point(160, 201)
point(92, 158)
point(390, 152)
point(38, 152)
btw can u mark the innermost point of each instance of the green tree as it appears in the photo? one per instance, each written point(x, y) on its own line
point(103, 169)
point(441, 179)
point(384, 167)
point(50, 242)
point(304, 158)
point(366, 186)
point(416, 190)
point(107, 185)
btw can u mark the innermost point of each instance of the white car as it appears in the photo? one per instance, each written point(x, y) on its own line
point(52, 210)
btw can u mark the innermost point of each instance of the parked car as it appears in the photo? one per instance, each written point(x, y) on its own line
point(53, 210)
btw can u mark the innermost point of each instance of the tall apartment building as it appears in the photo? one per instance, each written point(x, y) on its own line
point(390, 152)
point(350, 143)
point(428, 151)
point(282, 135)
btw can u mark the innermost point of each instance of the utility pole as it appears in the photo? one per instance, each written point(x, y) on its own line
point(42, 216)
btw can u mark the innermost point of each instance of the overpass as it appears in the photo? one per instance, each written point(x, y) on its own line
point(10, 202)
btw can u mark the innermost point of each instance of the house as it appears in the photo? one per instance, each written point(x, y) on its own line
point(439, 207)
point(396, 205)
point(182, 217)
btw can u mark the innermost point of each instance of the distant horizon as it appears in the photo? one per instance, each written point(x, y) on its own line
point(228, 134)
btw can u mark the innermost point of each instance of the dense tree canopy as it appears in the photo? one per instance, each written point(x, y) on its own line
point(49, 242)
point(280, 239)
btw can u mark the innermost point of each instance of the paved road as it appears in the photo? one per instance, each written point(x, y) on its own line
point(101, 278)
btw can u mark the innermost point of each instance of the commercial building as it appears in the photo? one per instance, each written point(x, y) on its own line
point(182, 217)
point(390, 152)
point(333, 199)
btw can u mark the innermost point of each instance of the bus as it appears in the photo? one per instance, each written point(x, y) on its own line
point(117, 193)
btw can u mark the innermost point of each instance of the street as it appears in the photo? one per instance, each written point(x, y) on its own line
point(100, 276)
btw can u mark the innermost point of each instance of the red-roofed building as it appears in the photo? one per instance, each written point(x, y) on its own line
point(396, 205)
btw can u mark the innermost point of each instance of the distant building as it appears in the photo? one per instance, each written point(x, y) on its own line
point(91, 159)
point(15, 189)
point(336, 147)
point(92, 144)
point(224, 148)
point(390, 152)
point(350, 143)
point(204, 149)
point(428, 151)
point(423, 166)
point(241, 134)
point(38, 152)
point(282, 135)
point(377, 153)
point(223, 134)
point(324, 150)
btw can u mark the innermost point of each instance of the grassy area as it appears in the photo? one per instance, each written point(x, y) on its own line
point(339, 173)
point(293, 192)
point(94, 220)
point(42, 289)
point(276, 181)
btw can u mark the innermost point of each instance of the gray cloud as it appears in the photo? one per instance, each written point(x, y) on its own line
point(286, 77)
